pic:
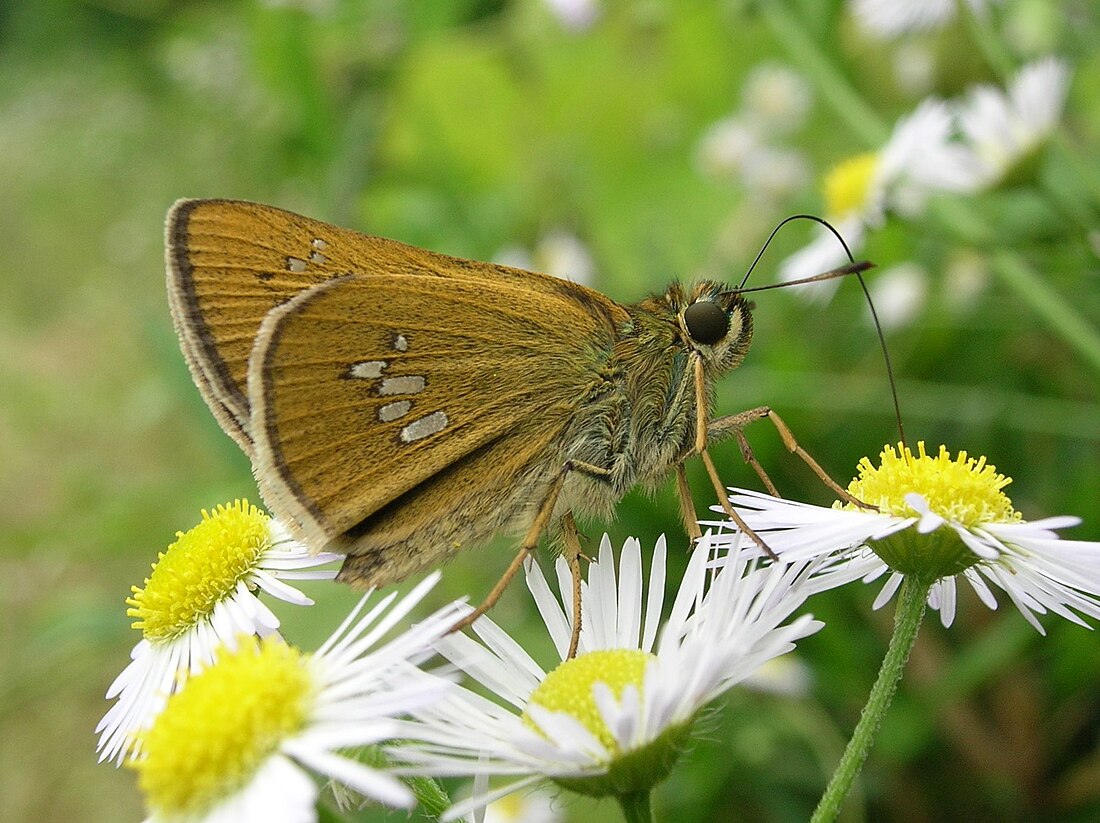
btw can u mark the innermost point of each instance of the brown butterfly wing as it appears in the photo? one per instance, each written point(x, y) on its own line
point(230, 262)
point(398, 422)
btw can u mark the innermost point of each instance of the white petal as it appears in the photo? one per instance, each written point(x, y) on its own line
point(553, 616)
point(888, 591)
point(629, 596)
point(370, 782)
point(655, 596)
point(946, 587)
point(463, 808)
point(980, 588)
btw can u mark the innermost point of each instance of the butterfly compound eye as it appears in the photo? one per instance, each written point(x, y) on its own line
point(706, 322)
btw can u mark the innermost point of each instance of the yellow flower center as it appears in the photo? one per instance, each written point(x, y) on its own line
point(963, 489)
point(569, 687)
point(847, 186)
point(215, 733)
point(200, 570)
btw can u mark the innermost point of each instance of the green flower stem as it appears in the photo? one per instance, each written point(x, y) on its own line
point(911, 604)
point(1048, 304)
point(822, 69)
point(989, 44)
point(964, 222)
point(1084, 166)
point(431, 798)
point(969, 226)
point(636, 807)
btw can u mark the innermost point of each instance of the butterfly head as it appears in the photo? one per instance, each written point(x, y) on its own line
point(714, 321)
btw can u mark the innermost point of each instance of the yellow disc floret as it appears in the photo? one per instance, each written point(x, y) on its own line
point(569, 687)
point(847, 186)
point(216, 732)
point(963, 490)
point(199, 570)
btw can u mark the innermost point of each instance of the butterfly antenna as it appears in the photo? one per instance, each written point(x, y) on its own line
point(853, 268)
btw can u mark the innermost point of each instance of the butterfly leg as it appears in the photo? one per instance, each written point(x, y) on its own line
point(687, 505)
point(531, 542)
point(735, 423)
point(702, 433)
point(573, 556)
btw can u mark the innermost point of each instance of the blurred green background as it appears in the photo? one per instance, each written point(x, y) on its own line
point(482, 128)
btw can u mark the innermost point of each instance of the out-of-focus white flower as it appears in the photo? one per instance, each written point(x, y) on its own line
point(725, 147)
point(914, 67)
point(775, 172)
point(892, 18)
point(575, 14)
point(776, 99)
point(1003, 129)
point(532, 806)
point(965, 277)
point(564, 255)
point(558, 253)
point(899, 294)
point(919, 158)
point(786, 675)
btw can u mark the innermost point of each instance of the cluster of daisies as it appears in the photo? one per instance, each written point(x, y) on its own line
point(962, 146)
point(223, 720)
point(988, 138)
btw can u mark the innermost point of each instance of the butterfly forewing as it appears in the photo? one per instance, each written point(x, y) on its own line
point(230, 262)
point(377, 409)
point(377, 386)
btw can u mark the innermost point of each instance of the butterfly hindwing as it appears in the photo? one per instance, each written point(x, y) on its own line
point(378, 410)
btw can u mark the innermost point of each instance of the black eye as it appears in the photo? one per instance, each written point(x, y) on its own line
point(706, 322)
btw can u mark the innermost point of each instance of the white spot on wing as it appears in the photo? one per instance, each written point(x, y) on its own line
point(368, 369)
point(296, 264)
point(408, 384)
point(424, 427)
point(317, 257)
point(319, 244)
point(401, 343)
point(392, 411)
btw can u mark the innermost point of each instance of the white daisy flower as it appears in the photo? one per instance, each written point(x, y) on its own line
point(725, 147)
point(612, 720)
point(773, 173)
point(525, 807)
point(942, 520)
point(893, 18)
point(564, 255)
point(899, 293)
point(202, 594)
point(786, 675)
point(918, 159)
point(966, 277)
point(776, 98)
point(576, 15)
point(735, 150)
point(237, 742)
point(1003, 130)
point(914, 67)
point(559, 253)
